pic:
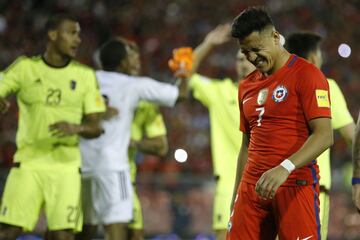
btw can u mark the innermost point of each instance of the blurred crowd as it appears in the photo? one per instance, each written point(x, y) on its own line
point(177, 197)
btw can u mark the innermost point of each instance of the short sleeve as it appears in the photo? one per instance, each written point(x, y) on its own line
point(202, 88)
point(339, 111)
point(313, 93)
point(244, 125)
point(11, 78)
point(147, 121)
point(157, 92)
point(154, 123)
point(93, 102)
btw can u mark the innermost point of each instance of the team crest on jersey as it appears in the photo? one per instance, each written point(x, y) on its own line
point(280, 93)
point(262, 96)
point(72, 84)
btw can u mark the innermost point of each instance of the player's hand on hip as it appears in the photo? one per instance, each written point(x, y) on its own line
point(64, 129)
point(270, 181)
point(4, 105)
point(356, 196)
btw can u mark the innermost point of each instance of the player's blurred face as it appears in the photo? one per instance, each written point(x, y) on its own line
point(261, 49)
point(133, 60)
point(243, 66)
point(317, 58)
point(67, 40)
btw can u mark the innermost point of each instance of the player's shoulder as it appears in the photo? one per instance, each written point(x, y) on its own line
point(117, 80)
point(23, 62)
point(252, 77)
point(335, 90)
point(332, 82)
point(25, 59)
point(81, 66)
point(113, 77)
point(303, 66)
point(205, 79)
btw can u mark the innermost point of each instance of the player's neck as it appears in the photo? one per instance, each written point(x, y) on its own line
point(280, 61)
point(53, 58)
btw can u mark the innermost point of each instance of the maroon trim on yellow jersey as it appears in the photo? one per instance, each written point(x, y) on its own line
point(53, 66)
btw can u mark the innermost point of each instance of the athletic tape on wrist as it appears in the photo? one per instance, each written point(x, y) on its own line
point(355, 180)
point(288, 165)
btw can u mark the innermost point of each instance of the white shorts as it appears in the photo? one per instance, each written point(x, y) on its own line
point(107, 197)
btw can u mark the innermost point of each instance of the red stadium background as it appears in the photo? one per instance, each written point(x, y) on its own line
point(177, 197)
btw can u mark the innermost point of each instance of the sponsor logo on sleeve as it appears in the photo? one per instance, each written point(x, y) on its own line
point(322, 98)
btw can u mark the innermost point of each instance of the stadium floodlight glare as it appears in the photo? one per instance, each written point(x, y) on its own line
point(180, 155)
point(344, 50)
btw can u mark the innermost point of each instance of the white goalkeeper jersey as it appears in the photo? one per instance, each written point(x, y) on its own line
point(123, 92)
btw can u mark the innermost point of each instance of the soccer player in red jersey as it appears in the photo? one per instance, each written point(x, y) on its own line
point(285, 117)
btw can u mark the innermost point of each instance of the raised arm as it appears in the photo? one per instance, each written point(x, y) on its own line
point(218, 36)
point(356, 166)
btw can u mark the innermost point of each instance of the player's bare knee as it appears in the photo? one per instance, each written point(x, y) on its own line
point(8, 232)
point(220, 234)
point(136, 235)
point(62, 235)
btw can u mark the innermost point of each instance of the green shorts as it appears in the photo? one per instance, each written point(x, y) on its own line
point(324, 213)
point(221, 209)
point(28, 190)
point(137, 222)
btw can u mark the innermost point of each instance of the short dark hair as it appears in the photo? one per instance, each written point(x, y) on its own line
point(56, 20)
point(112, 53)
point(302, 43)
point(250, 20)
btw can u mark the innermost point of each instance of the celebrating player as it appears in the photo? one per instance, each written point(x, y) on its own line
point(220, 97)
point(54, 93)
point(285, 120)
point(307, 45)
point(107, 184)
point(148, 135)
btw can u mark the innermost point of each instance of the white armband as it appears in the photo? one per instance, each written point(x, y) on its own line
point(288, 165)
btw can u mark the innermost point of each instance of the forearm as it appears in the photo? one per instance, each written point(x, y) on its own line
point(157, 146)
point(90, 126)
point(183, 86)
point(200, 53)
point(241, 162)
point(356, 151)
point(90, 130)
point(312, 148)
point(347, 132)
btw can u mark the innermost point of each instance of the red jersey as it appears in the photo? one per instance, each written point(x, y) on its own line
point(275, 111)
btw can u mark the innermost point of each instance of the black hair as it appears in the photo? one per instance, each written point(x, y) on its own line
point(302, 43)
point(250, 20)
point(112, 53)
point(56, 20)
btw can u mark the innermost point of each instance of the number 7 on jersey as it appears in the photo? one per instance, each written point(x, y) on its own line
point(261, 111)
